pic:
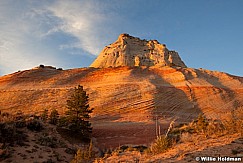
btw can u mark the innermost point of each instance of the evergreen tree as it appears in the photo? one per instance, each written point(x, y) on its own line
point(78, 112)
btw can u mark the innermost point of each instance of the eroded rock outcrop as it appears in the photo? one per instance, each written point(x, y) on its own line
point(132, 51)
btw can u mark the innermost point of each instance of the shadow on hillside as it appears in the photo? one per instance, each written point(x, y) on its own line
point(226, 93)
point(166, 102)
point(169, 102)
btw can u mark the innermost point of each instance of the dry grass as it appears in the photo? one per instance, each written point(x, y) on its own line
point(160, 145)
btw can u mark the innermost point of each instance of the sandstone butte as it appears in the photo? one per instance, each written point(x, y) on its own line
point(132, 83)
point(131, 51)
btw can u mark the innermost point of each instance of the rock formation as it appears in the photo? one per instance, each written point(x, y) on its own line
point(127, 100)
point(132, 51)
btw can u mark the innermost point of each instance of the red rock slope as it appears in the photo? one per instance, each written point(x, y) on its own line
point(127, 100)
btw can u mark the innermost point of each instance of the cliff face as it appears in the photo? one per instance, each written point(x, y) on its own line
point(131, 51)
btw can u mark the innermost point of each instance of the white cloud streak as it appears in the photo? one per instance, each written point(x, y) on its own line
point(26, 25)
point(82, 20)
point(19, 38)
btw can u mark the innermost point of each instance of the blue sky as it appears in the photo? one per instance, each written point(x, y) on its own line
point(71, 33)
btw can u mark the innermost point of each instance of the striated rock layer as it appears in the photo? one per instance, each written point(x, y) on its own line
point(131, 51)
point(127, 100)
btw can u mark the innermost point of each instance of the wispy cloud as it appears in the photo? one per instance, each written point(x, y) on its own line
point(39, 32)
point(83, 20)
point(19, 37)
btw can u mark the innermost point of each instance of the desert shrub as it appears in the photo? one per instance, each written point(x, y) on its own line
point(20, 123)
point(7, 132)
point(214, 128)
point(34, 125)
point(62, 122)
point(230, 124)
point(201, 124)
point(160, 145)
point(49, 141)
point(10, 135)
point(54, 116)
point(44, 115)
point(20, 119)
point(233, 123)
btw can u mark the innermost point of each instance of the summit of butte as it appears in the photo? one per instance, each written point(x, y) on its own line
point(132, 51)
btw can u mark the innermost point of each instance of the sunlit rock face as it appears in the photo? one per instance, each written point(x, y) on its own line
point(146, 82)
point(132, 51)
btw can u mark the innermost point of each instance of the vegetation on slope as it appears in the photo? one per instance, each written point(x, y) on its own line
point(15, 128)
point(199, 130)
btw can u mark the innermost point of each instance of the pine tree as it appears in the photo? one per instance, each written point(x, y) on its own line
point(78, 112)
